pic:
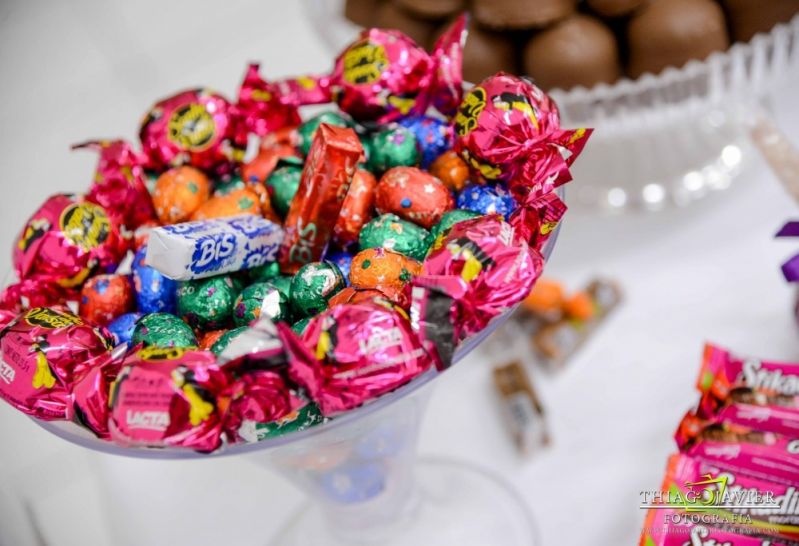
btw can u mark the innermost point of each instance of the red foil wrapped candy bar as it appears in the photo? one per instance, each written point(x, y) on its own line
point(357, 352)
point(317, 204)
point(119, 183)
point(45, 351)
point(61, 245)
point(357, 209)
point(508, 129)
point(478, 270)
point(191, 128)
point(168, 398)
point(385, 76)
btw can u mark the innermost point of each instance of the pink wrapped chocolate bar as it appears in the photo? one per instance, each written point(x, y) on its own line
point(508, 129)
point(741, 448)
point(476, 271)
point(62, 244)
point(384, 76)
point(725, 378)
point(190, 128)
point(45, 352)
point(168, 397)
point(118, 185)
point(358, 351)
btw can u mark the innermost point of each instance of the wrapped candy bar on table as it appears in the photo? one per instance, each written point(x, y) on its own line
point(60, 246)
point(384, 76)
point(194, 250)
point(323, 187)
point(45, 352)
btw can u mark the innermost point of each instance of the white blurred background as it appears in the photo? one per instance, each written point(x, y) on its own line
point(71, 71)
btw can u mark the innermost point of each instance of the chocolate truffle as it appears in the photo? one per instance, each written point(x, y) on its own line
point(432, 9)
point(748, 17)
point(485, 53)
point(613, 8)
point(361, 12)
point(672, 32)
point(580, 50)
point(391, 16)
point(521, 13)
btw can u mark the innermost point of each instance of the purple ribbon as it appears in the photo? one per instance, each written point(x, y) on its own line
point(790, 269)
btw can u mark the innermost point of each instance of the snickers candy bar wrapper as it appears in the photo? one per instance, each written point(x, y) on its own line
point(45, 353)
point(194, 250)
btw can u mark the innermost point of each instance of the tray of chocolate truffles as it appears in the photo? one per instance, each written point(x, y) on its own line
point(669, 85)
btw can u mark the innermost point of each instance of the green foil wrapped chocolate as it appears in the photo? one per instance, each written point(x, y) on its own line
point(393, 233)
point(300, 326)
point(282, 283)
point(264, 272)
point(448, 220)
point(282, 185)
point(228, 185)
point(394, 146)
point(307, 129)
point(225, 339)
point(313, 285)
point(258, 299)
point(300, 419)
point(207, 304)
point(163, 330)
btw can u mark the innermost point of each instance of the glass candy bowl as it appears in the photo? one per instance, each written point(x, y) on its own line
point(362, 478)
point(665, 139)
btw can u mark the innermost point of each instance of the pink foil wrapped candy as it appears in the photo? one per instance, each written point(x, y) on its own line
point(119, 183)
point(507, 129)
point(190, 128)
point(168, 398)
point(478, 270)
point(63, 243)
point(262, 108)
point(384, 76)
point(357, 352)
point(45, 352)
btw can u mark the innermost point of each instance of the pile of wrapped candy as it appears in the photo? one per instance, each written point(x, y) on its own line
point(249, 273)
point(735, 478)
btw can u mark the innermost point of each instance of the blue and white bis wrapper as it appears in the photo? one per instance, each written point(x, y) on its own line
point(155, 293)
point(122, 327)
point(487, 200)
point(343, 261)
point(433, 136)
point(195, 250)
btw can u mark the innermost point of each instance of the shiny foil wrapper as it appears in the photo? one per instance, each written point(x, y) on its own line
point(357, 209)
point(262, 107)
point(414, 195)
point(536, 219)
point(475, 272)
point(385, 76)
point(168, 397)
point(89, 397)
point(119, 183)
point(105, 297)
point(317, 205)
point(64, 242)
point(190, 128)
point(507, 129)
point(386, 271)
point(257, 398)
point(45, 352)
point(357, 352)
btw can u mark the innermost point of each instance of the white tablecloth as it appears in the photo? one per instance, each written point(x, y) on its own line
point(72, 71)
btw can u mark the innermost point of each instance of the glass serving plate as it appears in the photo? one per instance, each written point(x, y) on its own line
point(660, 140)
point(361, 474)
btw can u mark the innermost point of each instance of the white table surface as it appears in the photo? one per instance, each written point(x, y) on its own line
point(71, 71)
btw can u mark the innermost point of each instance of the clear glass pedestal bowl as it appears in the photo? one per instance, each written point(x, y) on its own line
point(661, 140)
point(362, 478)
